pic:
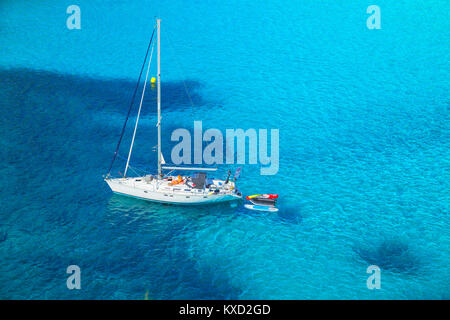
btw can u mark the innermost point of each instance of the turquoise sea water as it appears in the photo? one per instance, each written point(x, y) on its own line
point(364, 119)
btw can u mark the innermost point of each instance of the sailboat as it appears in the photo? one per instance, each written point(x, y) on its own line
point(183, 190)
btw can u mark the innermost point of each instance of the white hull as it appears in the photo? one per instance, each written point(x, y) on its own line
point(161, 191)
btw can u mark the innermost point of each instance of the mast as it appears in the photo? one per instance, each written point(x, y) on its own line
point(158, 22)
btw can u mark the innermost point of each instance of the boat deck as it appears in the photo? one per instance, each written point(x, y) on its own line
point(215, 186)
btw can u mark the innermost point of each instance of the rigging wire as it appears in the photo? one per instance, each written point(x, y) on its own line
point(140, 171)
point(182, 74)
point(139, 112)
point(131, 103)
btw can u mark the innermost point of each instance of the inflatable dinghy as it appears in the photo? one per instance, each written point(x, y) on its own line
point(265, 196)
point(263, 199)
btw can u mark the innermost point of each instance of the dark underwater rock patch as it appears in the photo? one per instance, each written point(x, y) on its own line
point(392, 255)
point(3, 236)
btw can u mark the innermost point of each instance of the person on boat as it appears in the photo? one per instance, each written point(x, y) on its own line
point(179, 180)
